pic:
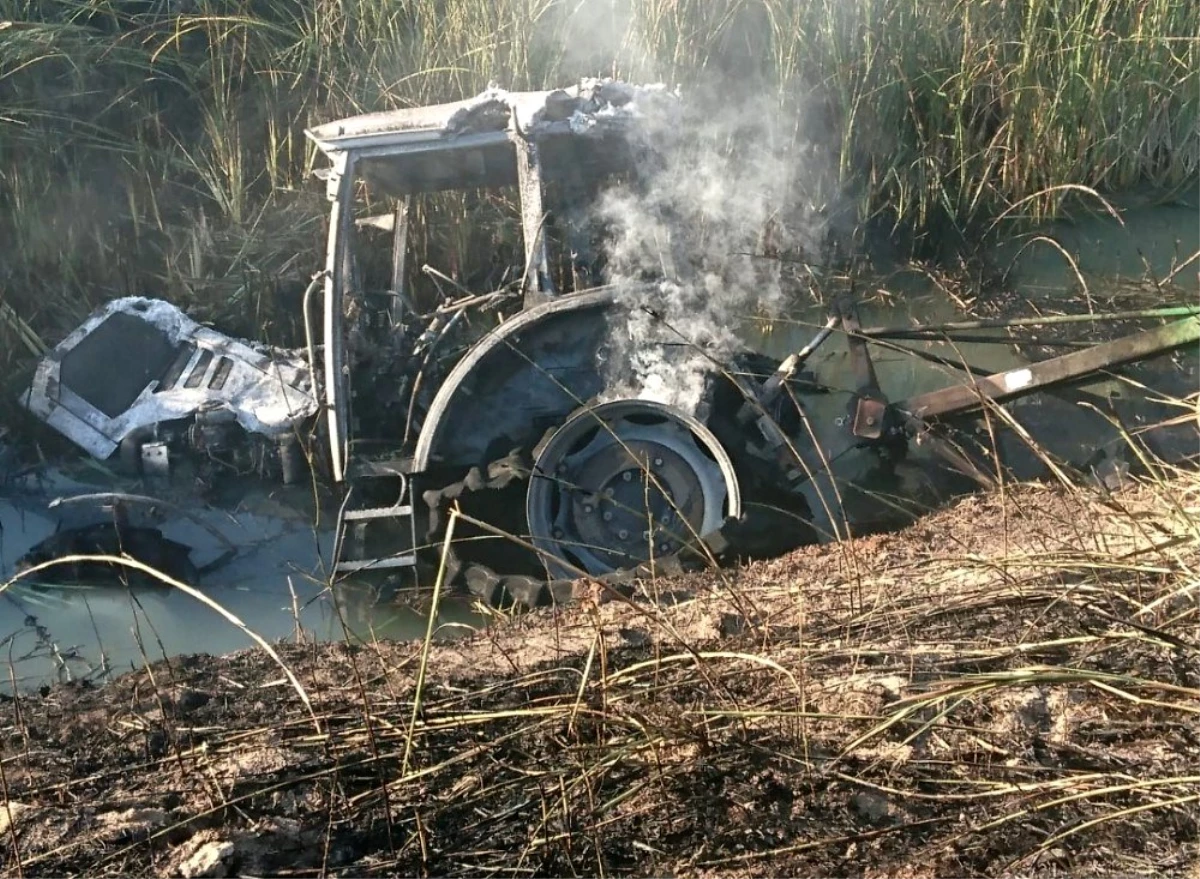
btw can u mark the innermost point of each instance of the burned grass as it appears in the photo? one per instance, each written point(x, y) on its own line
point(1008, 687)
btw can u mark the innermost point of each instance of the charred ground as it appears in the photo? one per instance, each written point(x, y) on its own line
point(1007, 687)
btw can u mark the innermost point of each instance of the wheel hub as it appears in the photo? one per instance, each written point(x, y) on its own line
point(624, 482)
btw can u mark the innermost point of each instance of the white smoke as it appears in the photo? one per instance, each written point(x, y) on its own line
point(735, 186)
point(601, 37)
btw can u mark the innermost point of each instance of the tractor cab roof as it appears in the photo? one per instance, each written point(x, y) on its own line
point(589, 128)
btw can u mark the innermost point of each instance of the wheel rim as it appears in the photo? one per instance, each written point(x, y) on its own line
point(625, 482)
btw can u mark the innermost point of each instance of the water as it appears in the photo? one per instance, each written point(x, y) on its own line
point(1111, 266)
point(1151, 242)
point(276, 585)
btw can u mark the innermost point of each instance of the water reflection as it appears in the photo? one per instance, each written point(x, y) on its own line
point(275, 584)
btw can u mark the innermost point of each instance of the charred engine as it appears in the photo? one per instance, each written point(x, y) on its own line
point(214, 446)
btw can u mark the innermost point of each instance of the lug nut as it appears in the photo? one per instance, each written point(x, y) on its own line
point(589, 509)
point(627, 476)
point(658, 462)
point(607, 516)
point(664, 547)
point(623, 534)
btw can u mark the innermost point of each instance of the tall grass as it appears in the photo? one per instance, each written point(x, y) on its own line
point(158, 146)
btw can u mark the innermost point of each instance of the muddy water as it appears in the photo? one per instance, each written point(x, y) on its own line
point(1138, 261)
point(1153, 240)
point(276, 585)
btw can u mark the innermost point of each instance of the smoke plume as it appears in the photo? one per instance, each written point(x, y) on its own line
point(693, 246)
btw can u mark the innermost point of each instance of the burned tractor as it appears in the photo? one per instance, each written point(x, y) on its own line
point(519, 428)
point(505, 406)
point(560, 468)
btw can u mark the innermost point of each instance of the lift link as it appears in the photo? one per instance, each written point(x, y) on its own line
point(869, 413)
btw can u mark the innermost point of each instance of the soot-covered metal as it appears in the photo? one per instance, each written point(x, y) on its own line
point(140, 375)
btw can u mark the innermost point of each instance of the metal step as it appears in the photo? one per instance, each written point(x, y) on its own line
point(396, 512)
point(399, 561)
point(350, 542)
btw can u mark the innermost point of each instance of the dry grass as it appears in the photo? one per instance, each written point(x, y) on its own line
point(1009, 687)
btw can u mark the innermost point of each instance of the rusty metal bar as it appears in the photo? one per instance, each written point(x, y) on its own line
point(536, 282)
point(1074, 395)
point(791, 364)
point(399, 258)
point(340, 191)
point(1075, 366)
point(870, 405)
point(919, 335)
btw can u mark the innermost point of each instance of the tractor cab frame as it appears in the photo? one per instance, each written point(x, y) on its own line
point(496, 393)
point(572, 139)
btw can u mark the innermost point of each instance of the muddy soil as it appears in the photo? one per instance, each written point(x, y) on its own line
point(1008, 687)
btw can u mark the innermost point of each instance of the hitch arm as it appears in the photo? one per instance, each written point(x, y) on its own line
point(868, 406)
point(1076, 366)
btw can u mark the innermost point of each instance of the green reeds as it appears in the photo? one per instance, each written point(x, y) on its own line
point(160, 148)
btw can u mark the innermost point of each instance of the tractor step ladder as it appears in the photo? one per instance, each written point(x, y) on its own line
point(350, 548)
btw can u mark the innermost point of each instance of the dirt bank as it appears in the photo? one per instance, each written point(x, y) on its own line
point(1008, 687)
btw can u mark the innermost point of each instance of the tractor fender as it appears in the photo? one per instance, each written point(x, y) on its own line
point(526, 374)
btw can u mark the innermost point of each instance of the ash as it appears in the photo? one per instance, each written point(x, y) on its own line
point(593, 106)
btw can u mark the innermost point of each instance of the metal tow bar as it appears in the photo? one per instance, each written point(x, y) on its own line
point(1073, 367)
point(873, 420)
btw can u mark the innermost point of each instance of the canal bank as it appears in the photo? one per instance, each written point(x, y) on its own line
point(1005, 688)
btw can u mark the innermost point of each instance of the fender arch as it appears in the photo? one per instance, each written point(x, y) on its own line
point(526, 375)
